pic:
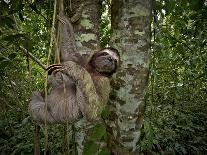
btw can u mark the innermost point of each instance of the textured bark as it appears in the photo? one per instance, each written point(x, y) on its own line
point(131, 36)
point(86, 30)
point(87, 40)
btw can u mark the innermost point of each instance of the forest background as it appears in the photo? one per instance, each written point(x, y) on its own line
point(176, 98)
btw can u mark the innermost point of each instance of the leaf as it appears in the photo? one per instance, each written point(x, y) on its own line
point(4, 64)
point(28, 44)
point(3, 58)
point(90, 148)
point(196, 5)
point(21, 17)
point(7, 21)
point(98, 132)
point(14, 38)
point(4, 8)
point(105, 151)
point(34, 8)
point(158, 6)
point(12, 56)
point(106, 112)
point(169, 6)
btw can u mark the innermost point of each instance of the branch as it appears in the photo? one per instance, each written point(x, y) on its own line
point(32, 57)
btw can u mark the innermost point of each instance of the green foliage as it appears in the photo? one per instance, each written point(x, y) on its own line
point(176, 98)
point(19, 75)
point(98, 132)
point(27, 24)
point(105, 151)
point(175, 119)
point(105, 24)
point(94, 144)
point(90, 148)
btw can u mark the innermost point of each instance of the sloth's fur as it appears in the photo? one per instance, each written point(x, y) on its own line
point(77, 90)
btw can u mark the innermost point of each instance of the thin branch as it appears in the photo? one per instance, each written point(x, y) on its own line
point(38, 12)
point(32, 57)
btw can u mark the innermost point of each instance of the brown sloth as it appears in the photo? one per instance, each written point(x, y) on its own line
point(78, 89)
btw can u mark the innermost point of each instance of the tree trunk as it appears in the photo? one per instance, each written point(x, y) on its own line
point(87, 29)
point(131, 36)
point(87, 35)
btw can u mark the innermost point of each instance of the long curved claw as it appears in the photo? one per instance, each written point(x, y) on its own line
point(58, 70)
point(54, 68)
point(61, 19)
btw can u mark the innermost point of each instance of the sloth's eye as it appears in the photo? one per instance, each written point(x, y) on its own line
point(103, 54)
point(115, 61)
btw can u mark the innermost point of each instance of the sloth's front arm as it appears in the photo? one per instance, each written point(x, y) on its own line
point(92, 94)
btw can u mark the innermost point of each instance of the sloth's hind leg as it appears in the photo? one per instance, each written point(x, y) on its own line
point(37, 109)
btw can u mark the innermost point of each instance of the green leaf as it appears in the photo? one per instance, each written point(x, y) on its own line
point(2, 58)
point(90, 148)
point(106, 112)
point(34, 8)
point(7, 21)
point(196, 4)
point(4, 64)
point(169, 6)
point(105, 151)
point(158, 6)
point(28, 44)
point(14, 38)
point(4, 8)
point(21, 17)
point(12, 56)
point(98, 132)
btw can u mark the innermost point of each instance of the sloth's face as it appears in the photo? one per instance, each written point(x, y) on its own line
point(106, 61)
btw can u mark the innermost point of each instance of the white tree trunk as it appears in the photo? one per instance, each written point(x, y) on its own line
point(131, 36)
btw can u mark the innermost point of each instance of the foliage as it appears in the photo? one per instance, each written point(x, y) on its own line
point(19, 26)
point(105, 24)
point(175, 118)
point(97, 136)
point(27, 24)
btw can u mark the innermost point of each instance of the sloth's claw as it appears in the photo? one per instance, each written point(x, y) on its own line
point(58, 70)
point(54, 68)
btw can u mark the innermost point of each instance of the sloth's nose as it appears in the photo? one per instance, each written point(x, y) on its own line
point(110, 59)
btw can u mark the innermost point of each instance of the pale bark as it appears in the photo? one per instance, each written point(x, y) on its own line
point(131, 36)
point(87, 35)
point(87, 31)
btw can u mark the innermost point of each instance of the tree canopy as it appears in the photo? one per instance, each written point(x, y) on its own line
point(176, 98)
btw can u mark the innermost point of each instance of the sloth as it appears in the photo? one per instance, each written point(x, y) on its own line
point(77, 89)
